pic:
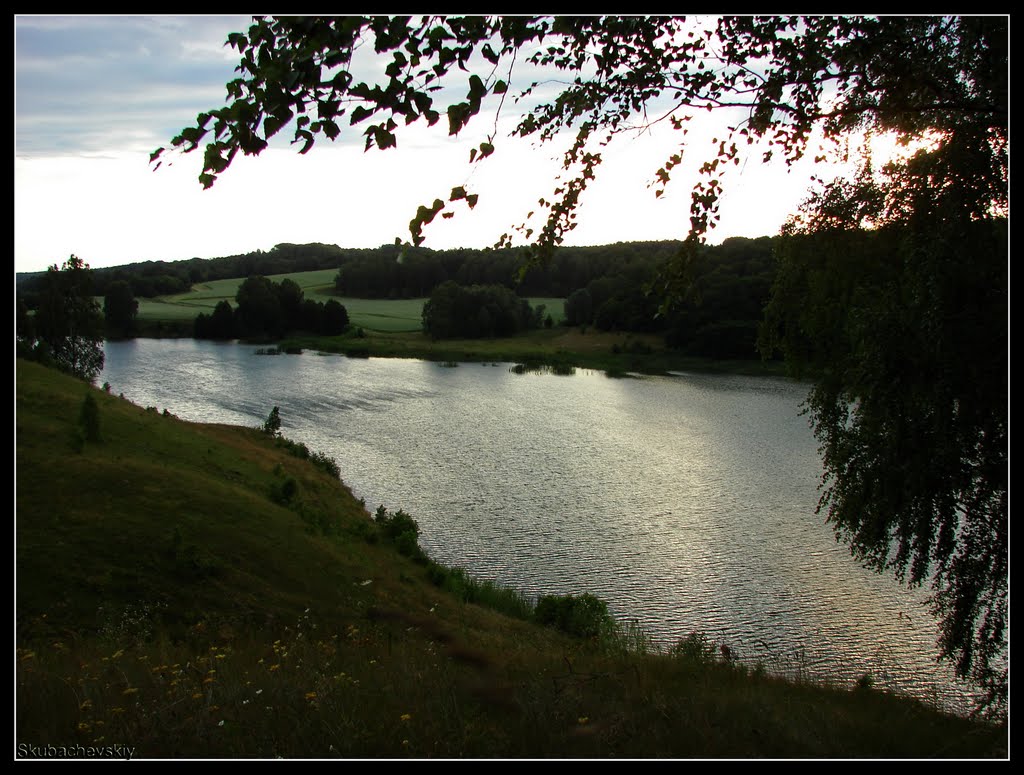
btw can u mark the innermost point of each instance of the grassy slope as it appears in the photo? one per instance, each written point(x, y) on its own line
point(165, 601)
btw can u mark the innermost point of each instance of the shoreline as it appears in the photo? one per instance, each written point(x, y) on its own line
point(618, 354)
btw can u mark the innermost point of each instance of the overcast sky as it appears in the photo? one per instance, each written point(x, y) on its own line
point(95, 95)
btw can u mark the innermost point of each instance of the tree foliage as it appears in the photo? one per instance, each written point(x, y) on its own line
point(120, 309)
point(272, 425)
point(890, 282)
point(904, 327)
point(454, 311)
point(68, 323)
point(268, 309)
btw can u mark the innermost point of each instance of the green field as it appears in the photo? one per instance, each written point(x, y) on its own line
point(384, 315)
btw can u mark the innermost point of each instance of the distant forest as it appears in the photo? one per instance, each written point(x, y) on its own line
point(605, 286)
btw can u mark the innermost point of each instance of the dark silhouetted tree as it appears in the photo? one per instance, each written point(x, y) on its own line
point(120, 309)
point(68, 323)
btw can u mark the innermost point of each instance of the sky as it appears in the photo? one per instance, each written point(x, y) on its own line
point(96, 95)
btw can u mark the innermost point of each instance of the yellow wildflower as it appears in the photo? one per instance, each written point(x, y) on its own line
point(130, 690)
point(406, 716)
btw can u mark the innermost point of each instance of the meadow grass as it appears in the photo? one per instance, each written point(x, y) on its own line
point(168, 598)
point(387, 315)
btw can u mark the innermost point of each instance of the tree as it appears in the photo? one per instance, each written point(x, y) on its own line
point(579, 308)
point(68, 323)
point(120, 308)
point(259, 310)
point(334, 318)
point(904, 327)
point(272, 425)
point(787, 85)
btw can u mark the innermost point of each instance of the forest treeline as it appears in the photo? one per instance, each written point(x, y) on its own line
point(606, 286)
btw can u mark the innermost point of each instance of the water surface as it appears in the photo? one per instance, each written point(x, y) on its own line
point(687, 502)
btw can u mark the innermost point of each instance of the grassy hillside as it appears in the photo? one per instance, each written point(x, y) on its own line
point(196, 590)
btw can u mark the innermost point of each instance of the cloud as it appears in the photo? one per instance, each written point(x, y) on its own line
point(82, 82)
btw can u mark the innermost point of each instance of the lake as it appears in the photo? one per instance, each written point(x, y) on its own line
point(686, 502)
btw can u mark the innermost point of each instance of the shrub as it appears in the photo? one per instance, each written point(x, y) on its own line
point(585, 616)
point(695, 647)
point(89, 419)
point(284, 491)
point(326, 463)
point(401, 530)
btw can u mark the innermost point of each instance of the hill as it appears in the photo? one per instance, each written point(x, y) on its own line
point(202, 591)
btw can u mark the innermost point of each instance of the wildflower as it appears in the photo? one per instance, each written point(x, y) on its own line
point(209, 679)
point(221, 723)
point(274, 667)
point(310, 695)
point(197, 696)
point(406, 716)
point(221, 656)
point(583, 719)
point(259, 692)
point(117, 654)
point(405, 742)
point(83, 726)
point(119, 711)
point(245, 702)
point(130, 690)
